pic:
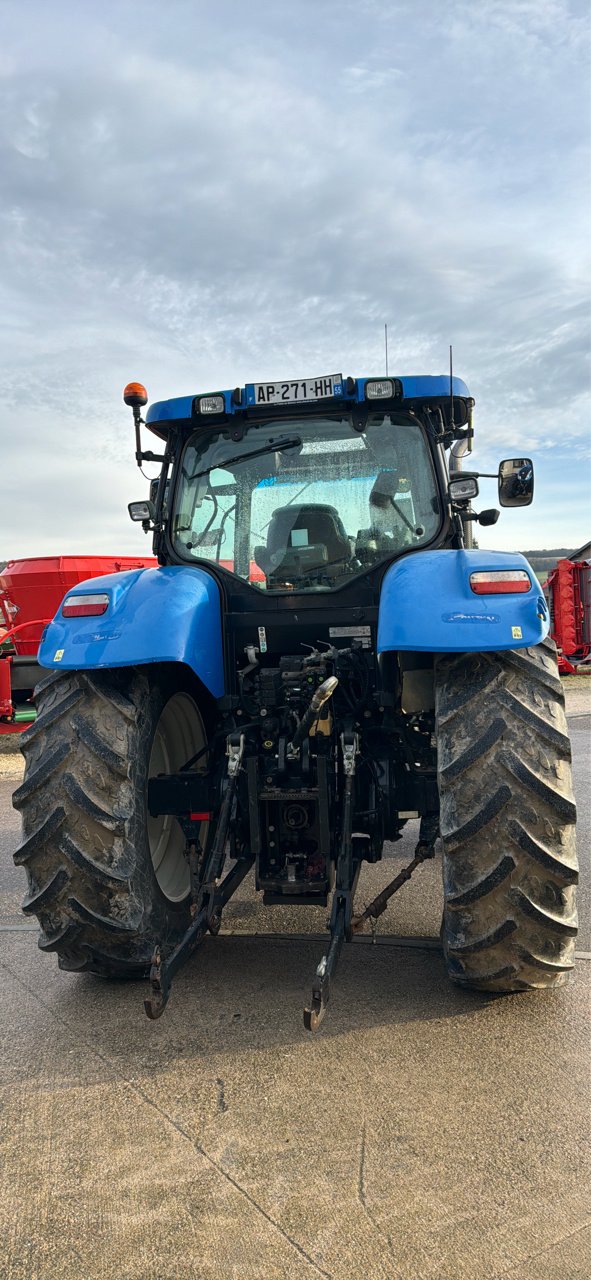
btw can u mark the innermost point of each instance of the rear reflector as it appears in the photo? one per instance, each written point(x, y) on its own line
point(500, 582)
point(85, 606)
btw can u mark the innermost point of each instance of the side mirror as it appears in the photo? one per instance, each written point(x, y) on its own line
point(516, 482)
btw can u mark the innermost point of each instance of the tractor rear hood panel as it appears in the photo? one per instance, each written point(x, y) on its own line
point(168, 614)
point(427, 605)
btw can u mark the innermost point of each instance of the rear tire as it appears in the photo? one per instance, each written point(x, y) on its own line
point(507, 819)
point(106, 881)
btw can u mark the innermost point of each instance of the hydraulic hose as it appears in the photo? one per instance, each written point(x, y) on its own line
point(322, 694)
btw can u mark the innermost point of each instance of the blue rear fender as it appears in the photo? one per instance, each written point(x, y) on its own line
point(169, 614)
point(428, 605)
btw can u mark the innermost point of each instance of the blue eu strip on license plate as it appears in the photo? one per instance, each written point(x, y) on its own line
point(306, 390)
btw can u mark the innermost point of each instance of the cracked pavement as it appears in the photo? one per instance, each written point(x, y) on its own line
point(425, 1134)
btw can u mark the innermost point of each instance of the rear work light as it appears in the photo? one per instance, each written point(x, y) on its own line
point(85, 606)
point(500, 582)
point(210, 404)
point(141, 510)
point(382, 390)
point(463, 490)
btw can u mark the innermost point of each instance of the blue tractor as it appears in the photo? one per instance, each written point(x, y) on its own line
point(320, 655)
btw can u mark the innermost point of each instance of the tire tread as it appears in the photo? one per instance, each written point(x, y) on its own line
point(507, 820)
point(85, 849)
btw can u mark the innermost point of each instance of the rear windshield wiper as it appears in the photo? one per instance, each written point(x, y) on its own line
point(274, 446)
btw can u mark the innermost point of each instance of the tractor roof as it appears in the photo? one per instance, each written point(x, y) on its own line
point(278, 397)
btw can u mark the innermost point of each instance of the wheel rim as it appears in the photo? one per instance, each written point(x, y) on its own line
point(179, 735)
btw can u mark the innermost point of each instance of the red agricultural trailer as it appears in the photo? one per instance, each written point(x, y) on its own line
point(568, 590)
point(31, 592)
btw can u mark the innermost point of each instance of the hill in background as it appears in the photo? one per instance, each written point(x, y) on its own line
point(543, 562)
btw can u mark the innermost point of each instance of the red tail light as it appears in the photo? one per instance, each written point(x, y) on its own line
point(500, 582)
point(85, 606)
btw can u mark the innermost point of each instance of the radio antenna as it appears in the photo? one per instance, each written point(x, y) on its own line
point(386, 341)
point(451, 389)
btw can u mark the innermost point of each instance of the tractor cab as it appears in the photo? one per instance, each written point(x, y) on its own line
point(302, 486)
point(305, 506)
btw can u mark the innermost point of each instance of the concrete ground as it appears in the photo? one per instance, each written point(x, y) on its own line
point(424, 1133)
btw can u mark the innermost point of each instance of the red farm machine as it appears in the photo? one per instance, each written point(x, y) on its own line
point(568, 590)
point(31, 592)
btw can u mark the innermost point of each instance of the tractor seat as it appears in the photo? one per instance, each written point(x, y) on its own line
point(303, 538)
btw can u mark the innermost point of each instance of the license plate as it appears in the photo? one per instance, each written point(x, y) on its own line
point(307, 390)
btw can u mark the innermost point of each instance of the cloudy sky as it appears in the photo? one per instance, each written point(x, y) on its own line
point(210, 192)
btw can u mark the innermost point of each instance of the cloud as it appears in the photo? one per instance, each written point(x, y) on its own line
point(201, 211)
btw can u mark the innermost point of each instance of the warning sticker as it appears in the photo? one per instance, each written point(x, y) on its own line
point(353, 633)
point(58, 655)
point(517, 633)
